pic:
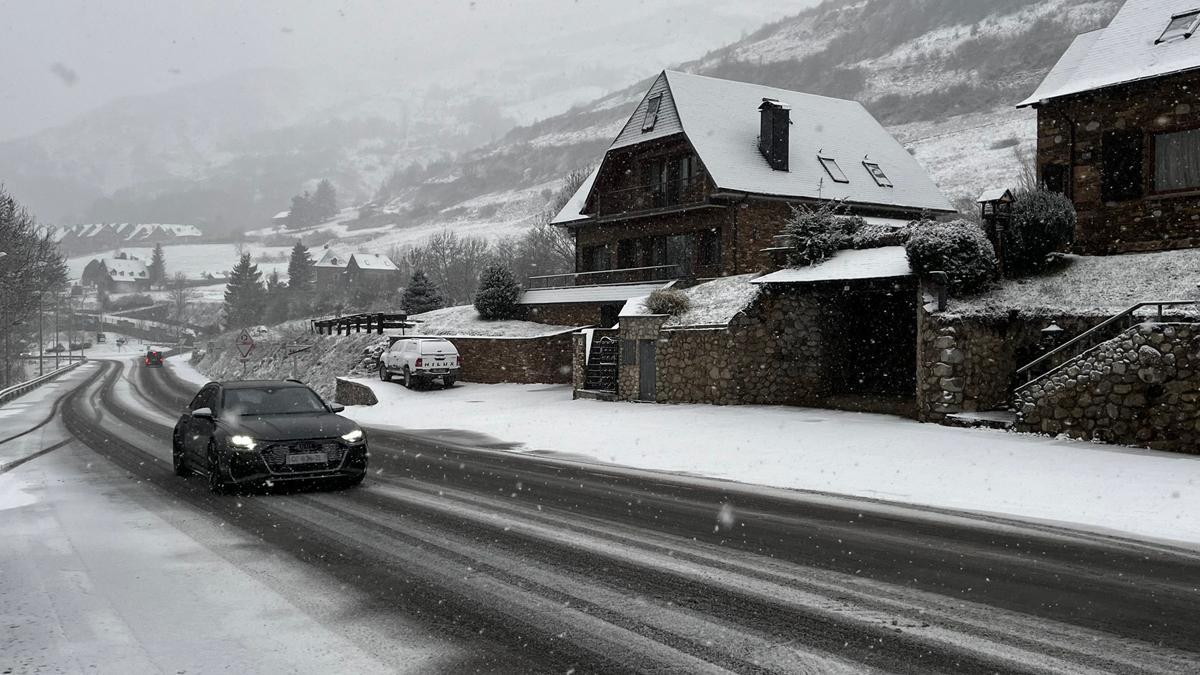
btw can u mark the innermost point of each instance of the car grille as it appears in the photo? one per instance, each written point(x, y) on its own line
point(276, 455)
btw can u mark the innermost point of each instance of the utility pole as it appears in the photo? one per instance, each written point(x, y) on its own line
point(57, 351)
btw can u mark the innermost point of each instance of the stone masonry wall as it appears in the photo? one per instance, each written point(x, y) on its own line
point(634, 328)
point(539, 360)
point(578, 360)
point(1140, 388)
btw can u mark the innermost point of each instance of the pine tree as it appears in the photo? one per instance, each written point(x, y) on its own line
point(302, 213)
point(324, 201)
point(158, 267)
point(244, 295)
point(498, 293)
point(421, 295)
point(300, 269)
point(276, 299)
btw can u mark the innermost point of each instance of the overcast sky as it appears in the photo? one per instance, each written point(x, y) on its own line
point(60, 58)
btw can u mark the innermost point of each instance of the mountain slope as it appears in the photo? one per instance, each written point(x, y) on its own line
point(943, 75)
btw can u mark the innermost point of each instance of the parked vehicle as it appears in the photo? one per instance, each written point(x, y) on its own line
point(255, 432)
point(420, 361)
point(101, 338)
point(154, 359)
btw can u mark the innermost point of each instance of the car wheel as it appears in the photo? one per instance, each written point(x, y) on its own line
point(217, 484)
point(408, 378)
point(447, 382)
point(384, 374)
point(178, 460)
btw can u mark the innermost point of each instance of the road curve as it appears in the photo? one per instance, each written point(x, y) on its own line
point(546, 565)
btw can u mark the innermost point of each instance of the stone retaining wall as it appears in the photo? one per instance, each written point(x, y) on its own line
point(1140, 388)
point(537, 360)
point(353, 393)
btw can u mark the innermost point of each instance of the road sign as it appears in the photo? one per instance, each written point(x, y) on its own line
point(245, 343)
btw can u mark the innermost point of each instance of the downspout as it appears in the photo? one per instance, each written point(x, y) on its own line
point(737, 242)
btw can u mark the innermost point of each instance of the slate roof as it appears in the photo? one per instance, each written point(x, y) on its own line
point(373, 261)
point(331, 258)
point(1125, 51)
point(885, 262)
point(121, 270)
point(720, 118)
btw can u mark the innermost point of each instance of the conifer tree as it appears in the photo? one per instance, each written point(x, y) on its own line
point(498, 293)
point(324, 201)
point(300, 269)
point(158, 267)
point(276, 299)
point(244, 295)
point(421, 295)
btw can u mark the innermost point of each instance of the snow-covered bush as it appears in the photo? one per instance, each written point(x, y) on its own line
point(958, 248)
point(668, 301)
point(875, 236)
point(1043, 222)
point(498, 294)
point(816, 235)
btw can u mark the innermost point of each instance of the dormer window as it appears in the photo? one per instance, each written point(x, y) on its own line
point(1181, 26)
point(831, 167)
point(877, 173)
point(651, 117)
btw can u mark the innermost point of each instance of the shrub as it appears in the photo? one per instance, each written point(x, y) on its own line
point(498, 293)
point(1042, 222)
point(125, 302)
point(958, 248)
point(815, 235)
point(875, 236)
point(668, 301)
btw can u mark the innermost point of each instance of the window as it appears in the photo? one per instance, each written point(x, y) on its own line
point(708, 247)
point(595, 258)
point(1177, 161)
point(1121, 166)
point(651, 117)
point(1054, 178)
point(627, 254)
point(1181, 26)
point(877, 173)
point(831, 167)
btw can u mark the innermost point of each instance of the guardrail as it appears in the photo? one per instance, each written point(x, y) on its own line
point(29, 385)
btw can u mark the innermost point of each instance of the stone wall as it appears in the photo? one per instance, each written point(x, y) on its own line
point(538, 360)
point(567, 313)
point(969, 364)
point(578, 360)
point(353, 393)
point(1071, 134)
point(1140, 388)
point(634, 329)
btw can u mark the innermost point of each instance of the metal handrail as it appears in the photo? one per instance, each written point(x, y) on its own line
point(533, 283)
point(23, 387)
point(672, 193)
point(1127, 313)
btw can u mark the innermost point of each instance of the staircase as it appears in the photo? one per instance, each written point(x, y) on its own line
point(601, 372)
point(1106, 330)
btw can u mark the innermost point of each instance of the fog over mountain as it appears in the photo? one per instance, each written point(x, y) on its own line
point(159, 109)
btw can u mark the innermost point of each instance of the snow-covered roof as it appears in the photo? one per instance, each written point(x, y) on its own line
point(281, 215)
point(573, 210)
point(711, 303)
point(605, 293)
point(129, 268)
point(373, 261)
point(1127, 50)
point(994, 195)
point(884, 262)
point(721, 119)
point(331, 258)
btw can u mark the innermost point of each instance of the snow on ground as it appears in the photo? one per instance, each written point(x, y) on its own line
point(1100, 285)
point(465, 320)
point(196, 259)
point(712, 303)
point(1136, 492)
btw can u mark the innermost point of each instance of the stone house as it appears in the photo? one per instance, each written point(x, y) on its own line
point(374, 269)
point(1118, 123)
point(700, 180)
point(116, 275)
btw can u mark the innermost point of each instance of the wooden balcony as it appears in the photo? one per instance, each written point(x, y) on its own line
point(648, 199)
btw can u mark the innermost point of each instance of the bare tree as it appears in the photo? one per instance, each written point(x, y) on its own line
point(179, 298)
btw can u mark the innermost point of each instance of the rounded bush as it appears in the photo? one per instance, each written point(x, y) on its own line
point(1042, 222)
point(498, 294)
point(958, 248)
point(668, 301)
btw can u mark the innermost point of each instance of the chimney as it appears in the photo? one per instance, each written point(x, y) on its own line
point(774, 123)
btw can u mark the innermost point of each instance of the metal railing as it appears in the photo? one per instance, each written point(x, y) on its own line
point(628, 275)
point(1088, 339)
point(23, 388)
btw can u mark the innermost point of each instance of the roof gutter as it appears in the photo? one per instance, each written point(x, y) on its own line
point(743, 196)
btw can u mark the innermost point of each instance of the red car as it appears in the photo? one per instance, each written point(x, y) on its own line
point(154, 359)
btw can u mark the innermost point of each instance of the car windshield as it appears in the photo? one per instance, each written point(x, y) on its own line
point(271, 401)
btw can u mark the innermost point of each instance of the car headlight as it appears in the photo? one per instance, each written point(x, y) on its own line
point(242, 442)
point(353, 437)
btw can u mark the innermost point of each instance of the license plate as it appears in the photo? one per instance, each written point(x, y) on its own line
point(308, 458)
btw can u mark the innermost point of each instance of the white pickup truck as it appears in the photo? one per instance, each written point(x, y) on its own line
point(419, 361)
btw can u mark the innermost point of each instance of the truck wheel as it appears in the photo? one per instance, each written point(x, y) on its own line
point(408, 378)
point(447, 381)
point(384, 374)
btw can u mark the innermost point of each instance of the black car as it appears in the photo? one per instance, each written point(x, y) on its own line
point(154, 359)
point(260, 432)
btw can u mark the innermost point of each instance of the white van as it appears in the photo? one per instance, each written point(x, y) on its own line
point(420, 360)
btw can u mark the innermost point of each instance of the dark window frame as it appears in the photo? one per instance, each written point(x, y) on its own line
point(1055, 178)
point(1153, 162)
point(881, 178)
point(826, 162)
point(1188, 28)
point(1123, 182)
point(653, 107)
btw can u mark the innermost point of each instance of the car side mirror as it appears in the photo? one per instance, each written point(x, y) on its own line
point(203, 413)
point(336, 408)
